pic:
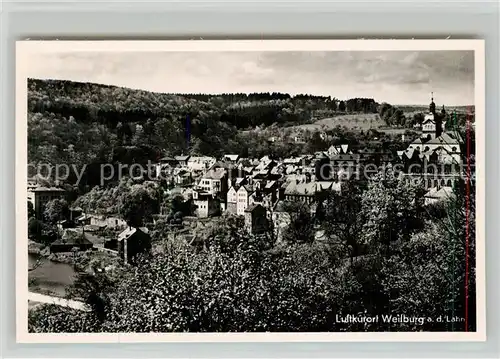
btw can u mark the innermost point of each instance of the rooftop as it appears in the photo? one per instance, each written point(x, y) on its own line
point(217, 174)
point(48, 189)
point(126, 233)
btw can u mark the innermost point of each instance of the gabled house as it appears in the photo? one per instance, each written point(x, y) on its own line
point(232, 199)
point(132, 242)
point(206, 205)
point(300, 191)
point(214, 181)
point(243, 196)
point(72, 239)
point(182, 160)
point(182, 177)
point(438, 194)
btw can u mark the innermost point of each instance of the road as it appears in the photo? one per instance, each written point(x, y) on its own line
point(42, 298)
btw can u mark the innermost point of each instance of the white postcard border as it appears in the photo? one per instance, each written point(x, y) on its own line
point(25, 48)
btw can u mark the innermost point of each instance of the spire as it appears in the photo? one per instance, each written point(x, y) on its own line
point(432, 106)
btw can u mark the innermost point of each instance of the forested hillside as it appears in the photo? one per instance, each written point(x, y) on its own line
point(83, 123)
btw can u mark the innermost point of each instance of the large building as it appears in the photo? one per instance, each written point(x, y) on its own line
point(40, 196)
point(214, 181)
point(436, 157)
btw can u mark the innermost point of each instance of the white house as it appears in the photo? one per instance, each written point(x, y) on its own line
point(213, 181)
point(232, 199)
point(243, 199)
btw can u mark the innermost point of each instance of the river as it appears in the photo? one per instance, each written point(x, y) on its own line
point(50, 276)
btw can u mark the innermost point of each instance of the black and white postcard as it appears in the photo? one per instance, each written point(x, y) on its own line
point(281, 190)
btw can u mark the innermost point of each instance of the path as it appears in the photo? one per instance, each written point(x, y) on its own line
point(42, 298)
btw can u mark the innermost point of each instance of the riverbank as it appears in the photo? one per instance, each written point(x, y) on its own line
point(49, 277)
point(42, 250)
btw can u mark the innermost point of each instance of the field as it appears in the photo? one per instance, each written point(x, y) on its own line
point(353, 121)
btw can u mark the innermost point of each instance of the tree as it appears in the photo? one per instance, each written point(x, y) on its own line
point(34, 228)
point(56, 210)
point(392, 210)
point(342, 218)
point(397, 118)
point(342, 106)
point(301, 226)
point(139, 204)
point(95, 291)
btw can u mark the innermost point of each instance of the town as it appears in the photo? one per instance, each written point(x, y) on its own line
point(255, 189)
point(253, 203)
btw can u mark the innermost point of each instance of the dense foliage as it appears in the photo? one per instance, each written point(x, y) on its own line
point(239, 282)
point(382, 251)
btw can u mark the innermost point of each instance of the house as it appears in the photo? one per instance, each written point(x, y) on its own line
point(281, 219)
point(206, 205)
point(72, 239)
point(243, 198)
point(293, 161)
point(39, 196)
point(164, 166)
point(256, 219)
point(214, 181)
point(300, 191)
point(200, 163)
point(438, 194)
point(74, 213)
point(298, 138)
point(232, 199)
point(265, 163)
point(259, 196)
point(132, 242)
point(83, 220)
point(182, 177)
point(272, 188)
point(182, 160)
point(231, 158)
point(107, 222)
point(338, 150)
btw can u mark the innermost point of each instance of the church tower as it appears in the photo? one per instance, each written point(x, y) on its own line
point(429, 130)
point(432, 106)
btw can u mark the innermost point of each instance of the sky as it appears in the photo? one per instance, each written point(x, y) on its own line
point(396, 77)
